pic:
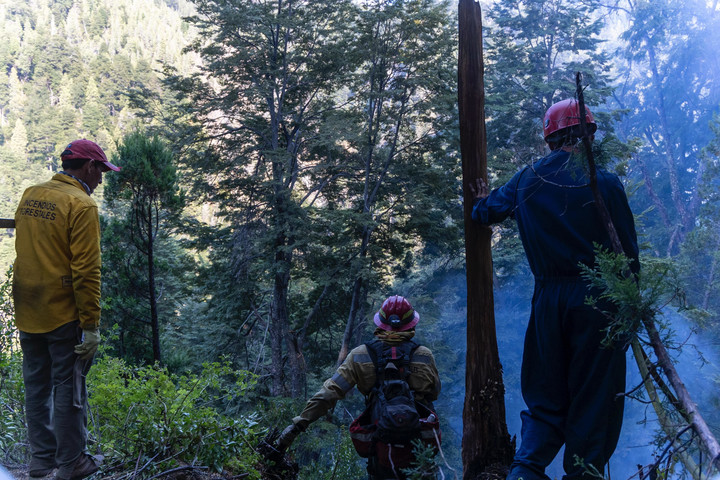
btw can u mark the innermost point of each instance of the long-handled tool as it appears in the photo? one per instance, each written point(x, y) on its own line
point(7, 223)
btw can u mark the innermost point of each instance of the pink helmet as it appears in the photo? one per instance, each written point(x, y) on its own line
point(396, 314)
point(563, 114)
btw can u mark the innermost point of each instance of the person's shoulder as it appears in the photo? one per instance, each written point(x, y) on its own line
point(608, 178)
point(422, 354)
point(529, 169)
point(70, 187)
point(360, 354)
point(39, 186)
point(606, 173)
point(362, 348)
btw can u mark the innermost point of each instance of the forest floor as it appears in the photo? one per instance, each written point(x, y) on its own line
point(21, 473)
point(277, 466)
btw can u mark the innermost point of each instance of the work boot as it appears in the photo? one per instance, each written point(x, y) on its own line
point(85, 466)
point(40, 468)
point(40, 472)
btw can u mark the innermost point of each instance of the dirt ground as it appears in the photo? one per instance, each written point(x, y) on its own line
point(22, 474)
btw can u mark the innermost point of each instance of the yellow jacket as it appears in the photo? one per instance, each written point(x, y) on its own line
point(358, 369)
point(56, 275)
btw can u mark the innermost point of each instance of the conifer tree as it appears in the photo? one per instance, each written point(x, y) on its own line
point(18, 98)
point(92, 112)
point(19, 140)
point(147, 189)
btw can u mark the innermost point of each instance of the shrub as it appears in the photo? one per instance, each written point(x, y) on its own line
point(160, 421)
point(326, 452)
point(13, 437)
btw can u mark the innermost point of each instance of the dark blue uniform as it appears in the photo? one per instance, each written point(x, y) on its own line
point(569, 381)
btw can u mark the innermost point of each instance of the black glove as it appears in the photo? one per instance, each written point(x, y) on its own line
point(287, 437)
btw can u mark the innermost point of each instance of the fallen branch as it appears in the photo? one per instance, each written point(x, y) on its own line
point(180, 469)
point(665, 421)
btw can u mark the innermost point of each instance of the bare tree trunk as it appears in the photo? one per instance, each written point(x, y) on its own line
point(684, 218)
point(278, 328)
point(666, 422)
point(485, 437)
point(710, 281)
point(296, 361)
point(352, 321)
point(689, 407)
point(154, 321)
point(281, 282)
point(356, 302)
point(280, 318)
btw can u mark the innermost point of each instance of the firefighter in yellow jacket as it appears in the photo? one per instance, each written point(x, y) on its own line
point(56, 292)
point(395, 321)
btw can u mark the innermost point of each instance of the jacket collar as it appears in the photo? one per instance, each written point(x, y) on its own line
point(82, 184)
point(392, 337)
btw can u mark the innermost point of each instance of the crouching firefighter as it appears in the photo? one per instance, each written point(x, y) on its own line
point(399, 380)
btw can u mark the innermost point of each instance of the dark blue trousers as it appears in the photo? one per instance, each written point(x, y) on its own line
point(570, 384)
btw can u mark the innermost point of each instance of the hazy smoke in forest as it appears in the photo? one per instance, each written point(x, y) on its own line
point(697, 363)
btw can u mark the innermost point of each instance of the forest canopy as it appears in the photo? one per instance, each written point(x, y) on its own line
point(288, 165)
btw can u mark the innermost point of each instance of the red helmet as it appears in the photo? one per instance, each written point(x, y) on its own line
point(396, 314)
point(563, 114)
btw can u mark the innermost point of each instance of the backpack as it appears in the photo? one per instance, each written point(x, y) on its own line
point(392, 418)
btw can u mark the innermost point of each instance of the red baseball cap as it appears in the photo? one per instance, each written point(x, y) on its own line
point(87, 149)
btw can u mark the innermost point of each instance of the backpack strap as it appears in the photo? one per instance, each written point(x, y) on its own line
point(381, 353)
point(375, 351)
point(403, 353)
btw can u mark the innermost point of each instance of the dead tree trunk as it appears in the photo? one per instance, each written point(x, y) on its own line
point(485, 440)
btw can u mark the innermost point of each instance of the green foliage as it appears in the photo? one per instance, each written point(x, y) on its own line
point(326, 163)
point(66, 72)
point(13, 439)
point(142, 418)
point(589, 470)
point(632, 296)
point(148, 176)
point(311, 140)
point(700, 252)
point(159, 420)
point(139, 247)
point(426, 462)
point(326, 452)
point(533, 49)
point(8, 338)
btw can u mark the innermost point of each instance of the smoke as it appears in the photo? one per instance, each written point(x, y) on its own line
point(696, 359)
